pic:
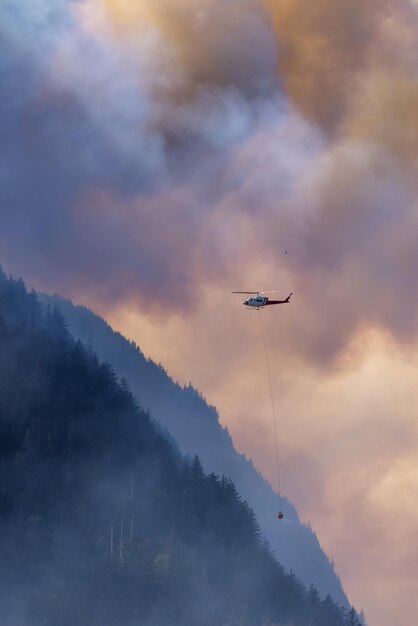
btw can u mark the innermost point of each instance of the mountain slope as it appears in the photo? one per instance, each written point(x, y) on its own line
point(102, 522)
point(195, 427)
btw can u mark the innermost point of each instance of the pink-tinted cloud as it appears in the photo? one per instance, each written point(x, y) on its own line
point(156, 155)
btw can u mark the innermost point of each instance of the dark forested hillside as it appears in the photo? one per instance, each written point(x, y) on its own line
point(102, 522)
point(195, 427)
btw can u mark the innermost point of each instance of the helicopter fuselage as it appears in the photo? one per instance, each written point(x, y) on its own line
point(257, 302)
point(260, 301)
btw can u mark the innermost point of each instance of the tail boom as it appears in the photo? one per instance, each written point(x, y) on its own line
point(286, 301)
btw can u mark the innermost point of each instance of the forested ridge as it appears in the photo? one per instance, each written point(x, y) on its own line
point(196, 428)
point(102, 521)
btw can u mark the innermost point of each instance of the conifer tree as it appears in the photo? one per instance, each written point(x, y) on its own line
point(352, 618)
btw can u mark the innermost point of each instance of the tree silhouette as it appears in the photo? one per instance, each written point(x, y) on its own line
point(79, 545)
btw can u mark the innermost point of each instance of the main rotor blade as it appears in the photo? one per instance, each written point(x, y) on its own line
point(258, 292)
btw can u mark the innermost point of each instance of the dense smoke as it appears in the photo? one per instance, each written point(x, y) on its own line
point(155, 155)
point(162, 141)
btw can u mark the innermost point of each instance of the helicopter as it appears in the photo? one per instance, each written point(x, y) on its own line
point(261, 300)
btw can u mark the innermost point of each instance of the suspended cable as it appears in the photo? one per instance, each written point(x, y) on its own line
point(279, 490)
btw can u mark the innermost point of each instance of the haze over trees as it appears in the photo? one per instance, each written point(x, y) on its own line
point(102, 521)
point(196, 429)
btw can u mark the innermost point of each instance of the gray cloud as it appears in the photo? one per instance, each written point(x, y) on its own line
point(151, 148)
point(105, 149)
point(151, 161)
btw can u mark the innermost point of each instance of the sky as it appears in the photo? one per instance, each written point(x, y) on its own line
point(157, 154)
